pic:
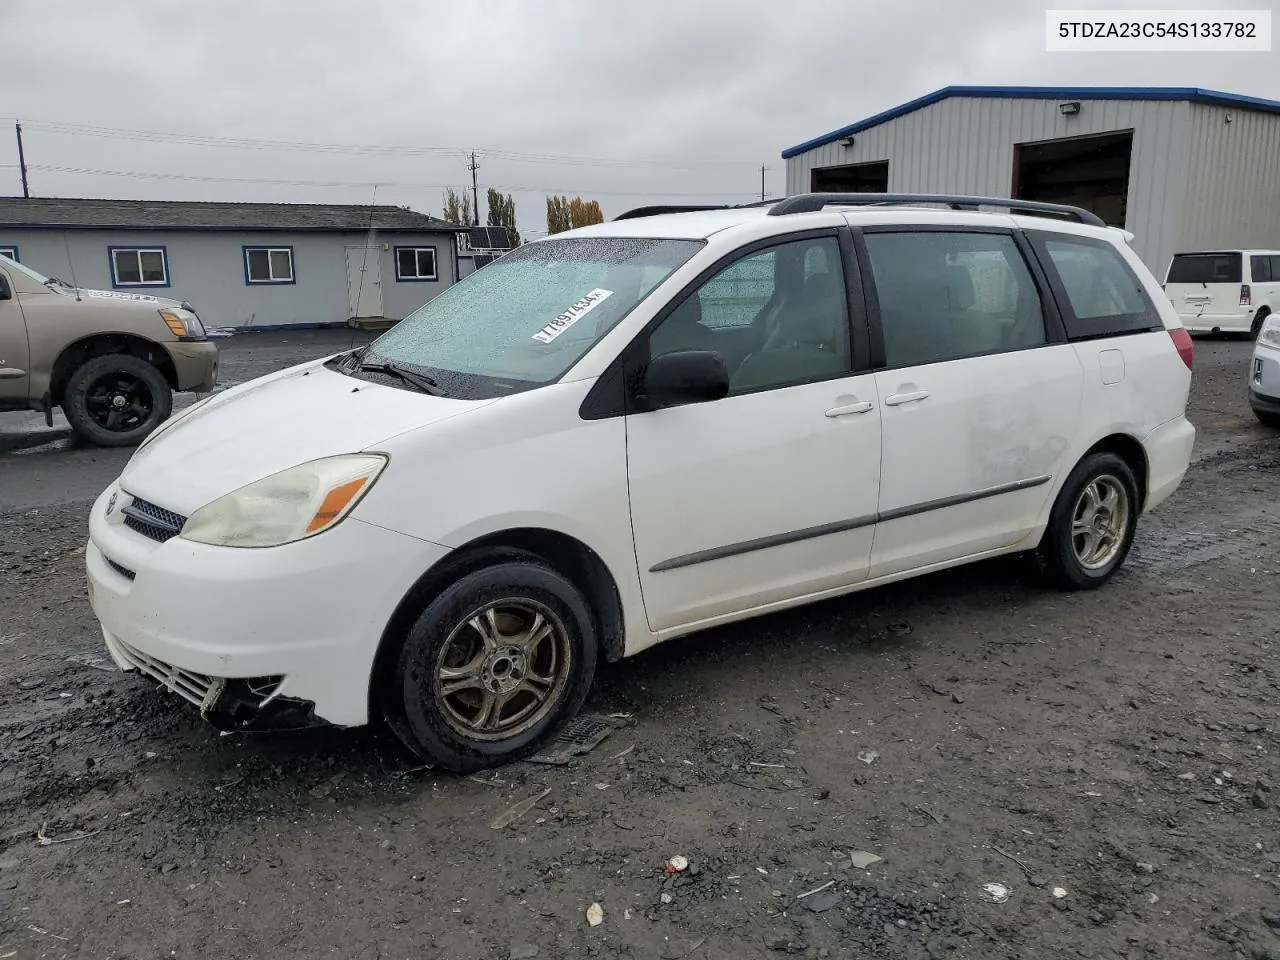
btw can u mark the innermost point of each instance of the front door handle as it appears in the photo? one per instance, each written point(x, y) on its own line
point(862, 406)
point(898, 399)
point(11, 373)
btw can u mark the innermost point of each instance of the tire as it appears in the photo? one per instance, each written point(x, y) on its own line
point(1066, 553)
point(115, 400)
point(1259, 319)
point(1267, 419)
point(459, 729)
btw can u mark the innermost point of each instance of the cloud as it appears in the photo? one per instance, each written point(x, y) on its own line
point(681, 99)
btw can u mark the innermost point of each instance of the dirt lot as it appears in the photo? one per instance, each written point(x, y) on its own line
point(1120, 745)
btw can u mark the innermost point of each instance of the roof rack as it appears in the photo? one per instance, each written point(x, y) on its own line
point(813, 202)
point(660, 209)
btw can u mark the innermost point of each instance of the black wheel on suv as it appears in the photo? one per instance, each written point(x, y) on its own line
point(493, 667)
point(115, 400)
point(1092, 523)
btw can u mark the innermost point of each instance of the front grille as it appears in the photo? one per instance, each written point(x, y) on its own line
point(123, 571)
point(187, 684)
point(152, 521)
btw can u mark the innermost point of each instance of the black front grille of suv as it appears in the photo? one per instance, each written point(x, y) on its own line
point(152, 521)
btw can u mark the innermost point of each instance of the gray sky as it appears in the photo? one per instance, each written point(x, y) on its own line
point(628, 103)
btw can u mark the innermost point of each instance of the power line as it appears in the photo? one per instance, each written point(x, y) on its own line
point(196, 178)
point(249, 143)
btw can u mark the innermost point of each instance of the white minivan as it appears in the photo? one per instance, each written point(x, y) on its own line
point(632, 431)
point(1224, 291)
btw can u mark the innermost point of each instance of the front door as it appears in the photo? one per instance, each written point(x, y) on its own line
point(364, 282)
point(981, 397)
point(14, 351)
point(768, 494)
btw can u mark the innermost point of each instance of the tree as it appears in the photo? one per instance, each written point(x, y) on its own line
point(502, 213)
point(457, 207)
point(565, 214)
point(558, 219)
point(585, 212)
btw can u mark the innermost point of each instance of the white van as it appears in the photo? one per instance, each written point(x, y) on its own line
point(1224, 291)
point(629, 432)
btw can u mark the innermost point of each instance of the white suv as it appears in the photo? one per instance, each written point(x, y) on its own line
point(633, 431)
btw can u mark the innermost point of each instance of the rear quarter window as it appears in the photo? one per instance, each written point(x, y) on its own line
point(1204, 268)
point(1097, 291)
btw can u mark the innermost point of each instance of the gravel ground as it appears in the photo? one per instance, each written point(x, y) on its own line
point(968, 728)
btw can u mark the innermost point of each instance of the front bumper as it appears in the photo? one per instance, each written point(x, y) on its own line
point(1264, 378)
point(282, 636)
point(195, 363)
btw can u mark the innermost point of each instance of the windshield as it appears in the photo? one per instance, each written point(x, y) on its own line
point(15, 265)
point(524, 319)
point(1204, 268)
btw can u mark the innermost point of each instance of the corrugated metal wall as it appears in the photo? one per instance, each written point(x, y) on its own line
point(1233, 192)
point(966, 145)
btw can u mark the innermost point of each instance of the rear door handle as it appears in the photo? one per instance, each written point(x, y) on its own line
point(862, 406)
point(898, 399)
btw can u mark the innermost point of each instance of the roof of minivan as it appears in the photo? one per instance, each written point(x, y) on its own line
point(702, 224)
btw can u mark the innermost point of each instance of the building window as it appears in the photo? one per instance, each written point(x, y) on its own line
point(139, 266)
point(416, 263)
point(10, 252)
point(268, 265)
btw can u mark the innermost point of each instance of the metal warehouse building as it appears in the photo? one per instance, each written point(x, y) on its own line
point(1181, 167)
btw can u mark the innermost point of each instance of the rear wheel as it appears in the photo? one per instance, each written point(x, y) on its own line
point(115, 400)
point(493, 667)
point(1092, 523)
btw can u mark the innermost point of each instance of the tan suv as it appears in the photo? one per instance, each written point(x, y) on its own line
point(111, 360)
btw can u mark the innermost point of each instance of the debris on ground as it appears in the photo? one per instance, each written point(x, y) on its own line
point(1059, 893)
point(517, 810)
point(868, 756)
point(676, 864)
point(996, 892)
point(595, 914)
point(583, 735)
point(861, 859)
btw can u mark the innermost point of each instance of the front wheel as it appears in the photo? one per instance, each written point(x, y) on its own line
point(1092, 524)
point(115, 400)
point(493, 667)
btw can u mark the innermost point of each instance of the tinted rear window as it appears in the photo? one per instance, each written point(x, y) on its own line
point(1204, 268)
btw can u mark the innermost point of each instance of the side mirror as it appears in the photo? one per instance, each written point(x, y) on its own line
point(5, 292)
point(685, 376)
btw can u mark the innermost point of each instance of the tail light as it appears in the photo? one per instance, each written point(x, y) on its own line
point(1245, 297)
point(1182, 340)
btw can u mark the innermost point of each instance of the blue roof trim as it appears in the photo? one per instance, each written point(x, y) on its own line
point(1191, 94)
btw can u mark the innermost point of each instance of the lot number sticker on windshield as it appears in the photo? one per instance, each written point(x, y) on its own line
point(571, 316)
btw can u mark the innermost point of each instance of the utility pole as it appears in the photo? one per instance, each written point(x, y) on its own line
point(475, 189)
point(22, 161)
point(762, 170)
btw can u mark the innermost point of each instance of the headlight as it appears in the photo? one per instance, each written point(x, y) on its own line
point(1270, 332)
point(184, 326)
point(287, 506)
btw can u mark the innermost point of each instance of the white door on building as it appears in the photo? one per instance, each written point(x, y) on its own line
point(364, 282)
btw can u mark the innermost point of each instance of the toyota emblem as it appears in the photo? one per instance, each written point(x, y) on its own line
point(111, 504)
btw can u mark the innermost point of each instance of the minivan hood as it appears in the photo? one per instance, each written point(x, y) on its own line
point(270, 424)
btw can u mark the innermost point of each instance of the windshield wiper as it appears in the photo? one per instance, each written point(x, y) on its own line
point(419, 380)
